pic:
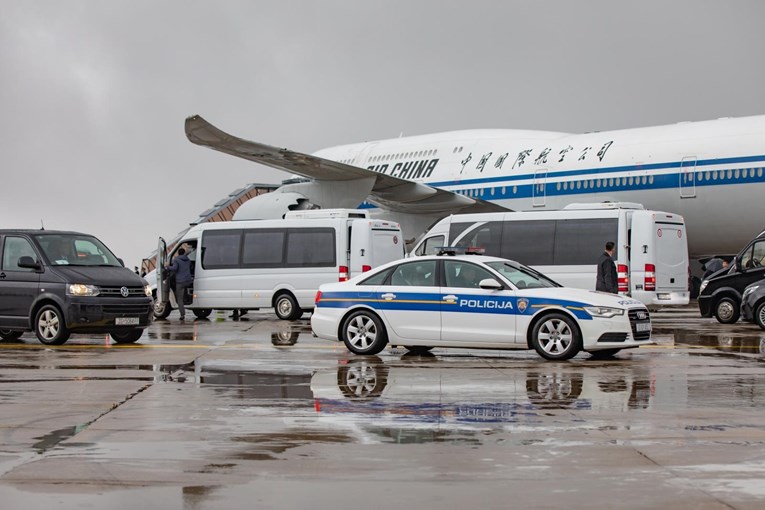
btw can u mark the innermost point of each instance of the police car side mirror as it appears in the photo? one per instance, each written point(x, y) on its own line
point(490, 284)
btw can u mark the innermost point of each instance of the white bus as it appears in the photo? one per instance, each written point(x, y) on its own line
point(242, 265)
point(651, 246)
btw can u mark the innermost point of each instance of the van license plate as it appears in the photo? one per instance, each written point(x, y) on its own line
point(129, 321)
point(643, 326)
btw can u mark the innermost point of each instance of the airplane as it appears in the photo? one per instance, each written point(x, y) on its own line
point(710, 172)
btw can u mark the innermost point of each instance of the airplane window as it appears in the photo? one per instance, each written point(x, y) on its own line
point(631, 181)
point(578, 184)
point(435, 151)
point(730, 174)
point(592, 184)
point(460, 149)
point(492, 191)
point(759, 172)
point(738, 173)
point(650, 179)
point(515, 189)
point(624, 181)
point(585, 184)
point(644, 179)
point(557, 186)
point(503, 190)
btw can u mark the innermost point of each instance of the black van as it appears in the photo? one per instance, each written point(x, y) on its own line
point(57, 283)
point(720, 295)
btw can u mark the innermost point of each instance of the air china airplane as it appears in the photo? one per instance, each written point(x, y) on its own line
point(709, 172)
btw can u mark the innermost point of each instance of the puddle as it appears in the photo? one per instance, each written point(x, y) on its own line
point(747, 342)
point(52, 439)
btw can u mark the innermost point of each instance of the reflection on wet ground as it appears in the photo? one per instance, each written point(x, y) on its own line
point(204, 405)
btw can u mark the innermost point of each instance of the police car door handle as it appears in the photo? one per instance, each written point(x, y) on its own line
point(388, 296)
point(450, 297)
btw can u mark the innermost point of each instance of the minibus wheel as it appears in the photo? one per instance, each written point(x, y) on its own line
point(759, 315)
point(50, 326)
point(127, 337)
point(9, 334)
point(727, 310)
point(286, 307)
point(202, 313)
point(161, 310)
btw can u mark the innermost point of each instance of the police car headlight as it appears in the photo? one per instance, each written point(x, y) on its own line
point(147, 290)
point(603, 311)
point(749, 290)
point(79, 289)
point(703, 286)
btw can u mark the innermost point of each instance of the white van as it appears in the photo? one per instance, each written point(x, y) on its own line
point(651, 257)
point(242, 265)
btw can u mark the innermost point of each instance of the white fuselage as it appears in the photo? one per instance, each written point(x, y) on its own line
point(709, 172)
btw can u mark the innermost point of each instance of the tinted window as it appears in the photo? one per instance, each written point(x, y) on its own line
point(412, 274)
point(311, 247)
point(431, 245)
point(464, 274)
point(486, 236)
point(755, 256)
point(263, 248)
point(377, 279)
point(75, 250)
point(580, 242)
point(14, 249)
point(220, 249)
point(529, 242)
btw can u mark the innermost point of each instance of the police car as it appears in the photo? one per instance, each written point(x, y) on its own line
point(475, 301)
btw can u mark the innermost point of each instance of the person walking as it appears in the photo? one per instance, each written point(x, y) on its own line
point(606, 280)
point(181, 268)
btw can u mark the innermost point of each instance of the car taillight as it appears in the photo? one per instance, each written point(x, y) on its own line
point(365, 268)
point(650, 277)
point(317, 298)
point(342, 274)
point(622, 278)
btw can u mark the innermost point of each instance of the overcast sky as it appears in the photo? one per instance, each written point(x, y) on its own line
point(93, 94)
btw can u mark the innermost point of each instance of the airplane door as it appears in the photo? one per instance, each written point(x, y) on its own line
point(538, 192)
point(163, 293)
point(688, 177)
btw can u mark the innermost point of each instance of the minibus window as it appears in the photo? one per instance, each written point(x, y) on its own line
point(220, 249)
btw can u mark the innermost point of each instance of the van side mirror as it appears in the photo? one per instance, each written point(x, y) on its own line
point(490, 284)
point(28, 262)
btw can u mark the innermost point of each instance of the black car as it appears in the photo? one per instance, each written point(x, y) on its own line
point(753, 304)
point(720, 294)
point(57, 283)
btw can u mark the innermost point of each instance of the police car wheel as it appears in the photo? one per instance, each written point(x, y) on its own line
point(759, 315)
point(556, 337)
point(418, 349)
point(363, 333)
point(727, 310)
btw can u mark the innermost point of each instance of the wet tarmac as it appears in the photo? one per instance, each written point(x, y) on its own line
point(258, 413)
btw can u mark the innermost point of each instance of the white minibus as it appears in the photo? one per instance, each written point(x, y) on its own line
point(651, 257)
point(243, 265)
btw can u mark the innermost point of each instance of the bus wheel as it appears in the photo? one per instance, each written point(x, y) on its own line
point(286, 307)
point(727, 311)
point(556, 337)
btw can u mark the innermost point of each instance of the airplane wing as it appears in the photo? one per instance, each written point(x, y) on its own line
point(387, 192)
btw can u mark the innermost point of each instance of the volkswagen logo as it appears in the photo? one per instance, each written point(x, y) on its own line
point(124, 292)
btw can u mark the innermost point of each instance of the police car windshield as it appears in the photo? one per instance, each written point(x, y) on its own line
point(76, 250)
point(521, 276)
